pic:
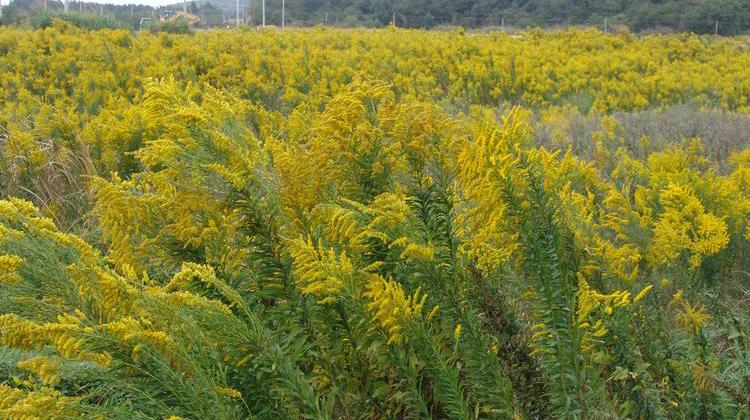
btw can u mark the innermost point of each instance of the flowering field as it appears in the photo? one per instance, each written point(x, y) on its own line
point(381, 224)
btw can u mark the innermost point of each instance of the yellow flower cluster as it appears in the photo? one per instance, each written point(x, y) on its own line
point(589, 301)
point(139, 216)
point(340, 226)
point(324, 267)
point(206, 275)
point(689, 318)
point(320, 272)
point(139, 334)
point(594, 311)
point(9, 265)
point(45, 403)
point(417, 252)
point(685, 225)
point(538, 68)
point(46, 368)
point(66, 336)
point(391, 308)
point(485, 168)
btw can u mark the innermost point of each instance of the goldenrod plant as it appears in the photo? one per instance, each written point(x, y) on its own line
point(372, 224)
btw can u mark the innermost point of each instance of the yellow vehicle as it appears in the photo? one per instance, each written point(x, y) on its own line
point(172, 16)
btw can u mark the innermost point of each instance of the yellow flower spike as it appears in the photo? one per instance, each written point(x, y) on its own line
point(537, 335)
point(589, 302)
point(102, 359)
point(40, 403)
point(20, 333)
point(244, 361)
point(688, 317)
point(390, 306)
point(319, 271)
point(418, 252)
point(8, 211)
point(601, 331)
point(419, 306)
point(228, 392)
point(685, 227)
point(7, 234)
point(624, 300)
point(46, 368)
point(24, 207)
point(433, 312)
point(643, 293)
point(9, 265)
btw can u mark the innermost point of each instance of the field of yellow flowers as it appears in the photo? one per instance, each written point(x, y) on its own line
point(373, 224)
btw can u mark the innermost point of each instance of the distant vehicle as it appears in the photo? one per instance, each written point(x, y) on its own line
point(145, 21)
point(166, 15)
point(171, 16)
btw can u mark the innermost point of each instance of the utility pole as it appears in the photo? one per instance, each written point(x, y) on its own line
point(263, 6)
point(606, 28)
point(716, 28)
point(65, 7)
point(502, 23)
point(184, 6)
point(326, 18)
point(237, 13)
point(283, 11)
point(131, 11)
point(101, 10)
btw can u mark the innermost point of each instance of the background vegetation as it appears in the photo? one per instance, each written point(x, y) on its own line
point(663, 15)
point(373, 224)
point(725, 17)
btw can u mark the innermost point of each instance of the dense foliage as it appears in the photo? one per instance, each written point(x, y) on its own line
point(373, 224)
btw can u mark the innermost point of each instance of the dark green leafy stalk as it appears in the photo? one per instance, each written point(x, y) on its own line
point(555, 287)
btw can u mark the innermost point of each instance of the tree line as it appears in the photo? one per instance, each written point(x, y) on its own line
point(701, 16)
point(725, 17)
